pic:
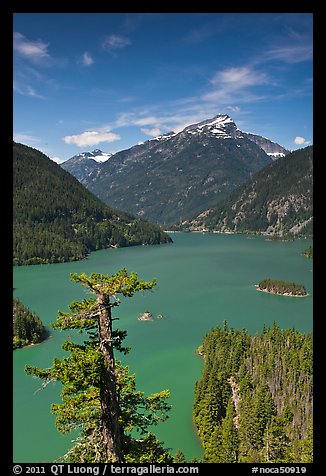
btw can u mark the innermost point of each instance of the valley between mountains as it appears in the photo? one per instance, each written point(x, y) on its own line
point(211, 176)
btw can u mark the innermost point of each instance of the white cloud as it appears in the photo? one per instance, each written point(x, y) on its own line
point(26, 90)
point(301, 141)
point(238, 77)
point(35, 51)
point(290, 54)
point(146, 121)
point(160, 123)
point(24, 138)
point(152, 132)
point(90, 138)
point(233, 108)
point(295, 47)
point(115, 42)
point(87, 59)
point(31, 92)
point(233, 84)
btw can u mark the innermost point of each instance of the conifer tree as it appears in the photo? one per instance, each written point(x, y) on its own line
point(276, 441)
point(267, 417)
point(229, 436)
point(99, 396)
point(179, 457)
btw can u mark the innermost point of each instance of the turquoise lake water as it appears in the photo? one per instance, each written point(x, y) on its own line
point(203, 279)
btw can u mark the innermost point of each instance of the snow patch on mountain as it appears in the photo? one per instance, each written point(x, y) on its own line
point(96, 155)
point(166, 136)
point(221, 126)
point(276, 155)
point(99, 155)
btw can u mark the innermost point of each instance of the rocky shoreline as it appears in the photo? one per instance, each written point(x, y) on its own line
point(280, 294)
point(148, 316)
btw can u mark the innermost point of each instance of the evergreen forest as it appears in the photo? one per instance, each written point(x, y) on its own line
point(99, 395)
point(253, 402)
point(309, 252)
point(56, 219)
point(280, 286)
point(27, 326)
point(277, 200)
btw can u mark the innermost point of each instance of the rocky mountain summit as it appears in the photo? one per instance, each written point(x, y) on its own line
point(173, 177)
point(83, 164)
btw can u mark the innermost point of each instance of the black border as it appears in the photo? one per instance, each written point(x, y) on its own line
point(6, 94)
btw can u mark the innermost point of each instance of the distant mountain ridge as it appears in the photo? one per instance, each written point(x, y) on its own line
point(272, 149)
point(83, 164)
point(57, 219)
point(174, 176)
point(277, 200)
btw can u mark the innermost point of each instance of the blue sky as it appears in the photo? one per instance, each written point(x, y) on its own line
point(86, 80)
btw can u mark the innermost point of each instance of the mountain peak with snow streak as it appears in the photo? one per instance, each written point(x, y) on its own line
point(221, 125)
point(99, 156)
point(176, 175)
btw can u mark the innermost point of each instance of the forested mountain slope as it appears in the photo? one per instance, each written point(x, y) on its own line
point(174, 176)
point(254, 401)
point(277, 200)
point(84, 164)
point(57, 219)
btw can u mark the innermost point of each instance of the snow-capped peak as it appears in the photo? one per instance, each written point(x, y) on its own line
point(220, 120)
point(165, 136)
point(100, 156)
point(222, 126)
point(97, 155)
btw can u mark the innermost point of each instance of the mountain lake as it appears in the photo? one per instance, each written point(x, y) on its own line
point(203, 280)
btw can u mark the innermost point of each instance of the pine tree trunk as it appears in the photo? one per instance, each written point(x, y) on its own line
point(108, 395)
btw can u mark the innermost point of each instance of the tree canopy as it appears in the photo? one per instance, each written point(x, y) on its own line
point(27, 326)
point(279, 286)
point(57, 219)
point(99, 396)
point(253, 402)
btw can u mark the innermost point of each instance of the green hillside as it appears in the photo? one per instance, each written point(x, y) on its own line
point(57, 219)
point(174, 177)
point(277, 200)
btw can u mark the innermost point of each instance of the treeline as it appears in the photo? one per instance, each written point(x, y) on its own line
point(27, 326)
point(56, 219)
point(253, 402)
point(308, 253)
point(277, 286)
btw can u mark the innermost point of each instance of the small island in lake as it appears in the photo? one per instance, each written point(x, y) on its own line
point(146, 316)
point(283, 288)
point(308, 253)
point(28, 328)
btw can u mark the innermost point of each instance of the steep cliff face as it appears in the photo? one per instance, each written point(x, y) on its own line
point(274, 150)
point(277, 200)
